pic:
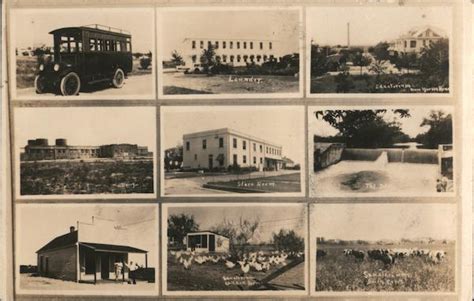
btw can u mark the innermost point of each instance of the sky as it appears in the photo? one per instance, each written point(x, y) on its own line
point(410, 125)
point(272, 218)
point(39, 224)
point(384, 221)
point(87, 125)
point(370, 25)
point(39, 22)
point(282, 125)
point(279, 25)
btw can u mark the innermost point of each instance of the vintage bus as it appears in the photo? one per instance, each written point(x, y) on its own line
point(83, 56)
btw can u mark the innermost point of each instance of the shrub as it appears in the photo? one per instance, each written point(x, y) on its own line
point(145, 62)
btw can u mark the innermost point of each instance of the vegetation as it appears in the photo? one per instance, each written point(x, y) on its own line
point(179, 226)
point(440, 130)
point(288, 241)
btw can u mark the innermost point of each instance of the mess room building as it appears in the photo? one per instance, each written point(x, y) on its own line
point(238, 52)
point(74, 257)
point(416, 39)
point(39, 149)
point(221, 148)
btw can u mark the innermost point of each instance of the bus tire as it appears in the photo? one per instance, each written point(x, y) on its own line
point(119, 78)
point(70, 84)
point(40, 86)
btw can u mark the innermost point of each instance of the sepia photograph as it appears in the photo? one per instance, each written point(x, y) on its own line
point(83, 53)
point(237, 51)
point(223, 150)
point(88, 249)
point(234, 247)
point(381, 151)
point(384, 247)
point(379, 49)
point(103, 151)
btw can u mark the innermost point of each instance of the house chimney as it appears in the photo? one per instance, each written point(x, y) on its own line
point(71, 229)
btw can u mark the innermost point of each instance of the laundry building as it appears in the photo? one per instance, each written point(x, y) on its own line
point(39, 149)
point(235, 52)
point(225, 147)
point(416, 39)
point(89, 253)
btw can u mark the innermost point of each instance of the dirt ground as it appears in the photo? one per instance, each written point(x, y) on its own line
point(396, 179)
point(179, 83)
point(29, 282)
point(193, 185)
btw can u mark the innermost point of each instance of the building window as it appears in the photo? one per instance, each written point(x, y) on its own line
point(245, 45)
point(194, 58)
point(244, 144)
point(234, 142)
point(412, 44)
point(244, 159)
point(217, 44)
point(238, 45)
point(224, 58)
point(201, 44)
point(405, 44)
point(266, 149)
point(270, 46)
point(218, 58)
point(231, 58)
point(261, 148)
point(265, 57)
point(195, 157)
point(255, 147)
point(221, 142)
point(209, 44)
point(204, 144)
point(251, 45)
point(224, 44)
point(261, 160)
point(259, 57)
point(238, 58)
point(231, 44)
point(194, 44)
point(252, 58)
point(234, 158)
point(261, 45)
point(188, 145)
point(246, 57)
point(271, 57)
point(254, 160)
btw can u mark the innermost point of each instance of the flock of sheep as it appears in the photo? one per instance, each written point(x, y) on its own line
point(256, 261)
point(391, 256)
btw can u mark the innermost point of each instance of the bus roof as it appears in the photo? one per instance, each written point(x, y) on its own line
point(94, 28)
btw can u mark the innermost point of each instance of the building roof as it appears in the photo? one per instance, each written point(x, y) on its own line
point(61, 241)
point(206, 231)
point(228, 131)
point(94, 28)
point(416, 31)
point(112, 248)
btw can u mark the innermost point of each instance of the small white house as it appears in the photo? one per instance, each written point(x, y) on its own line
point(206, 241)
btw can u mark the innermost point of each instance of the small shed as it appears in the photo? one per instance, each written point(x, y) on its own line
point(206, 241)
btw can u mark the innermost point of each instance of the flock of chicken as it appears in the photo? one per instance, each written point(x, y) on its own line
point(256, 261)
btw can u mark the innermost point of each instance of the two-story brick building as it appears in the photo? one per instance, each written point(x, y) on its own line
point(225, 147)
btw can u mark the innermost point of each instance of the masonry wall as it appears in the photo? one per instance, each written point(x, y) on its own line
point(62, 263)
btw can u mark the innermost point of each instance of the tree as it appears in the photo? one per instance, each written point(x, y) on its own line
point(208, 58)
point(240, 234)
point(288, 241)
point(406, 60)
point(179, 226)
point(439, 132)
point(378, 67)
point(361, 60)
point(381, 52)
point(434, 61)
point(319, 62)
point(365, 128)
point(344, 82)
point(176, 58)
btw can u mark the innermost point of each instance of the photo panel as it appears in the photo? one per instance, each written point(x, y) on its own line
point(244, 151)
point(234, 249)
point(239, 52)
point(85, 152)
point(89, 249)
point(365, 54)
point(384, 248)
point(82, 53)
point(381, 151)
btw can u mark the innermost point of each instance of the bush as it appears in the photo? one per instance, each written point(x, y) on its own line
point(344, 82)
point(145, 62)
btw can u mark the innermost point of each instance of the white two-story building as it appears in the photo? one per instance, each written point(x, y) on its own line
point(225, 147)
point(416, 39)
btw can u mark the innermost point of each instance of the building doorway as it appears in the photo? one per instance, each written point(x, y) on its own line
point(104, 266)
point(212, 243)
point(211, 162)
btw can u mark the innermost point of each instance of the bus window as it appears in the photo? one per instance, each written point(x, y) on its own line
point(64, 45)
point(118, 46)
point(107, 45)
point(112, 45)
point(92, 45)
point(100, 45)
point(129, 48)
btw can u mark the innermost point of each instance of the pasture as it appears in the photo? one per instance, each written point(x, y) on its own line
point(221, 272)
point(86, 177)
point(336, 271)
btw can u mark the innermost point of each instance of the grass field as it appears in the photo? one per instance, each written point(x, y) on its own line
point(337, 272)
point(282, 183)
point(75, 177)
point(27, 68)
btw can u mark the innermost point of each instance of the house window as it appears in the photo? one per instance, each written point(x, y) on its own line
point(231, 44)
point(238, 45)
point(201, 44)
point(224, 45)
point(244, 159)
point(254, 160)
point(261, 148)
point(255, 147)
point(412, 44)
point(244, 144)
point(194, 58)
point(204, 144)
point(194, 44)
point(424, 43)
point(188, 145)
point(251, 45)
point(234, 158)
point(234, 142)
point(270, 46)
point(261, 45)
point(245, 45)
point(221, 142)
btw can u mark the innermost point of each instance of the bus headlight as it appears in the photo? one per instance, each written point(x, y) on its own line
point(41, 67)
point(56, 67)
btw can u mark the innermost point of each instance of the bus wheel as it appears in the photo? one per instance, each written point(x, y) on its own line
point(40, 85)
point(118, 79)
point(70, 84)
